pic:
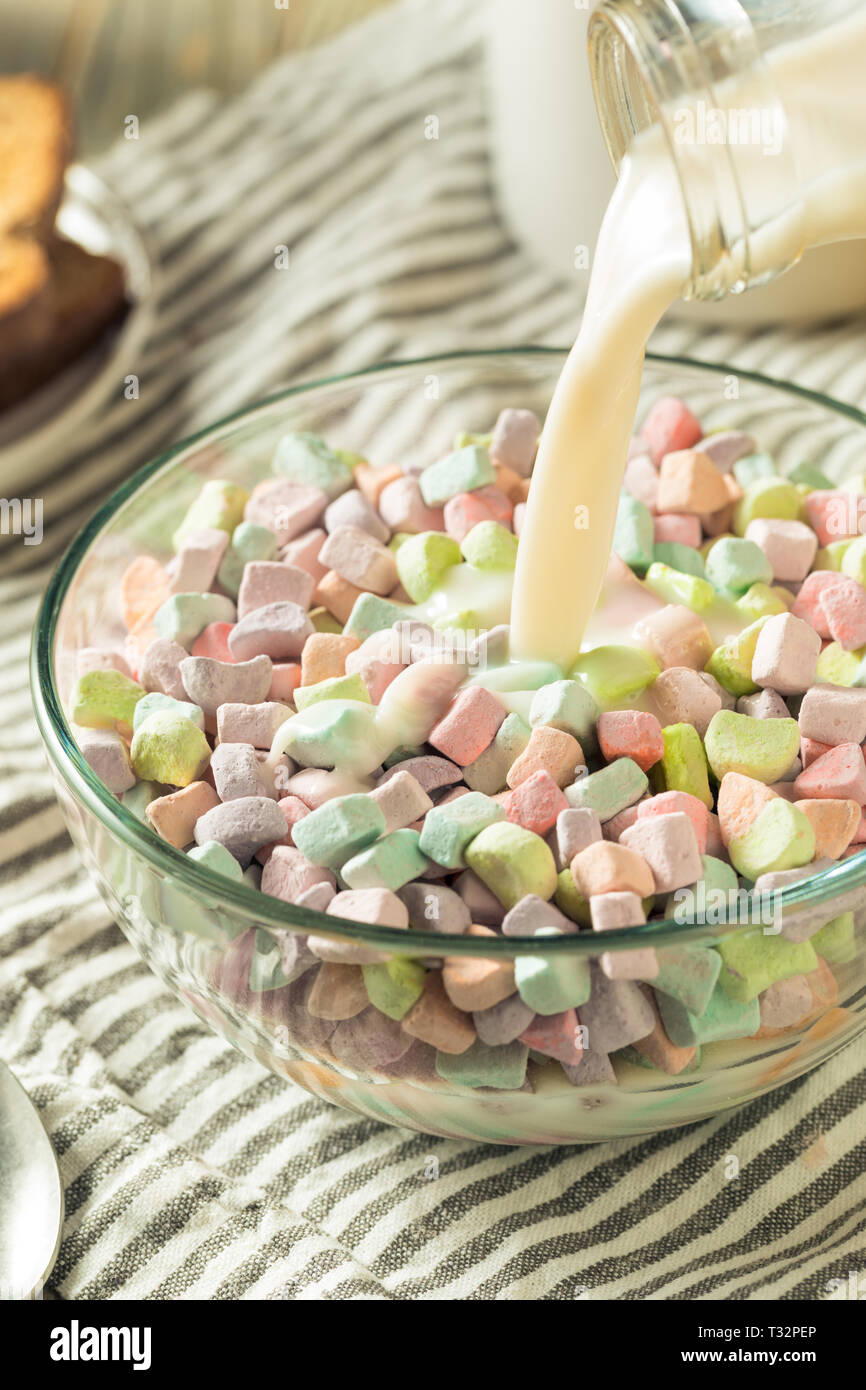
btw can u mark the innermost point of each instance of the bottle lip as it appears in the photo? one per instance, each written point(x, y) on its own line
point(648, 66)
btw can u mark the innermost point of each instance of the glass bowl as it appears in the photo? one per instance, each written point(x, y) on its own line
point(225, 948)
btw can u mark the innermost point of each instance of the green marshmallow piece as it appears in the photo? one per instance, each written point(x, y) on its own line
point(464, 620)
point(373, 614)
point(683, 764)
point(676, 556)
point(853, 562)
point(780, 837)
point(516, 675)
point(215, 856)
point(767, 497)
point(835, 666)
point(448, 829)
point(139, 797)
point(717, 876)
point(423, 560)
point(754, 960)
point(685, 904)
point(323, 621)
point(829, 557)
point(549, 985)
point(512, 862)
point(218, 507)
point(568, 706)
point(183, 616)
point(169, 748)
point(334, 688)
point(503, 1068)
point(688, 974)
point(103, 699)
point(465, 437)
point(390, 863)
point(760, 601)
point(395, 985)
point(734, 565)
point(675, 587)
point(760, 748)
point(570, 900)
point(305, 458)
point(610, 790)
point(489, 546)
point(155, 700)
point(812, 477)
point(249, 542)
point(724, 1018)
point(731, 663)
point(266, 966)
point(490, 769)
point(612, 674)
point(402, 753)
point(835, 941)
point(338, 829)
point(633, 536)
point(334, 733)
point(463, 471)
point(750, 467)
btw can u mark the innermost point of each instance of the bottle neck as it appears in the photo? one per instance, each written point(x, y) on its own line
point(691, 74)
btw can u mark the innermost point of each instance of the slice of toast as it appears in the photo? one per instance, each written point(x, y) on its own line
point(35, 148)
point(83, 296)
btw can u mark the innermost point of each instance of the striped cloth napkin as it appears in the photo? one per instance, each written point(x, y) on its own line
point(190, 1171)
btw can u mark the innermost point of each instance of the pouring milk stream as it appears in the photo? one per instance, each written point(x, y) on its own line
point(642, 264)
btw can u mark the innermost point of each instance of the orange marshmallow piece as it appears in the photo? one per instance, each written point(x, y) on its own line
point(690, 482)
point(173, 817)
point(324, 656)
point(337, 595)
point(741, 800)
point(436, 1021)
point(144, 587)
point(835, 822)
point(676, 637)
point(370, 481)
point(608, 867)
point(549, 750)
point(657, 1046)
point(473, 983)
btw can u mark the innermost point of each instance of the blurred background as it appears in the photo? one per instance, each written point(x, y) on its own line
point(121, 56)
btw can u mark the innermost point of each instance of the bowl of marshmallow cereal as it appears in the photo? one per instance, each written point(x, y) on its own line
point(493, 798)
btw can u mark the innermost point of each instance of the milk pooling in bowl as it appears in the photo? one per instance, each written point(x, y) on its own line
point(643, 262)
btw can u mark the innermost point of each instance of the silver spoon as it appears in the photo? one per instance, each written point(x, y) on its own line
point(31, 1195)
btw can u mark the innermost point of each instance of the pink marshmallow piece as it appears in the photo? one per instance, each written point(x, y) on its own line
point(303, 552)
point(666, 802)
point(536, 803)
point(467, 509)
point(669, 427)
point(677, 527)
point(469, 726)
point(790, 546)
point(271, 581)
point(844, 606)
point(841, 773)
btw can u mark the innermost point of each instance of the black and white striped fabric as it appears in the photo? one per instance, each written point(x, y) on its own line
point(190, 1172)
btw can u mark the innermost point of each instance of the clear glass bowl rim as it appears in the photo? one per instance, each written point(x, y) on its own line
point(261, 911)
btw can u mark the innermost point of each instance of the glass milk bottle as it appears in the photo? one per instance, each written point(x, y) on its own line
point(759, 107)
